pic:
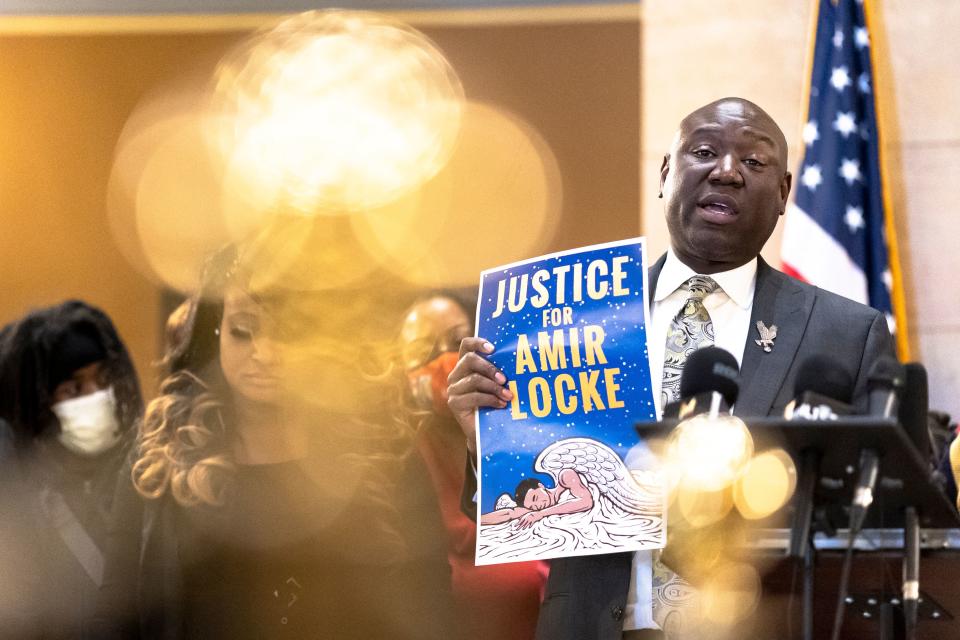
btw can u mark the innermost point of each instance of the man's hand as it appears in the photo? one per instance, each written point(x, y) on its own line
point(475, 382)
point(527, 520)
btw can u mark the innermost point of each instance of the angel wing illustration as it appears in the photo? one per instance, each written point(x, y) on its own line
point(598, 465)
point(627, 510)
point(505, 501)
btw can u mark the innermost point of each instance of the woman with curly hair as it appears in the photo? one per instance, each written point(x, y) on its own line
point(68, 399)
point(278, 500)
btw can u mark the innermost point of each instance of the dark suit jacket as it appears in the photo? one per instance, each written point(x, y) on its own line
point(585, 596)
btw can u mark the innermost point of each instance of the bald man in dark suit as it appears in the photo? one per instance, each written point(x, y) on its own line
point(725, 184)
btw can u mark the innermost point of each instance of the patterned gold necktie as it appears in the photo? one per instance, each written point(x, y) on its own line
point(675, 603)
point(691, 329)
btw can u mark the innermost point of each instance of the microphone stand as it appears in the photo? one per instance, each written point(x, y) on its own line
point(862, 499)
point(801, 541)
point(911, 571)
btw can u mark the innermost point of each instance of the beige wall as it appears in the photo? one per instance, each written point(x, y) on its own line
point(64, 102)
point(694, 51)
point(65, 99)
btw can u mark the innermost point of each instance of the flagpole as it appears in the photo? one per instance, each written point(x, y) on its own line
point(808, 65)
point(805, 102)
point(897, 297)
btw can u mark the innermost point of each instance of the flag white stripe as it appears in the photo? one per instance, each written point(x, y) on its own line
point(819, 258)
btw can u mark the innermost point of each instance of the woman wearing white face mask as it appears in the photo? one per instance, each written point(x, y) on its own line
point(69, 394)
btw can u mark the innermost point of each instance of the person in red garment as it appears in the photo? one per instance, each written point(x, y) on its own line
point(499, 601)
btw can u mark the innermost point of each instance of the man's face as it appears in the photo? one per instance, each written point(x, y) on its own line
point(537, 499)
point(725, 184)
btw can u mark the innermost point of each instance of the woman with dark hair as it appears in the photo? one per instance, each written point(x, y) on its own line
point(68, 398)
point(278, 502)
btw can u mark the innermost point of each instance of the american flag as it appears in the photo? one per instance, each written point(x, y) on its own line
point(837, 234)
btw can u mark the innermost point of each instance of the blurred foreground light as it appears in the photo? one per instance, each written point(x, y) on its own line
point(729, 596)
point(702, 508)
point(767, 483)
point(708, 454)
point(298, 253)
point(164, 194)
point(498, 200)
point(332, 111)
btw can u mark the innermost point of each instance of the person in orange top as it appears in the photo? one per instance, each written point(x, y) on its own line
point(498, 601)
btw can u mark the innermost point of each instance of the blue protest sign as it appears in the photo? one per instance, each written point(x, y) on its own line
point(570, 336)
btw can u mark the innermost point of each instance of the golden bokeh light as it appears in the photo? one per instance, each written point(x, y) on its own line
point(332, 111)
point(328, 112)
point(497, 200)
point(306, 254)
point(708, 453)
point(767, 483)
point(729, 596)
point(701, 508)
point(164, 194)
point(178, 221)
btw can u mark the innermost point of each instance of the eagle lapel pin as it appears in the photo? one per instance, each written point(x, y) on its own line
point(767, 336)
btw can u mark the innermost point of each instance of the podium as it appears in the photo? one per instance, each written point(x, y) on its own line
point(907, 502)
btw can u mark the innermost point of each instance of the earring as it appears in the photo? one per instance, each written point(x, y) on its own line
point(660, 195)
point(216, 331)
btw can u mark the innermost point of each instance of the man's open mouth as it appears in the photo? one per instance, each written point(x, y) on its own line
point(719, 205)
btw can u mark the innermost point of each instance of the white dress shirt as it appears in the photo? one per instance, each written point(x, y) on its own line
point(729, 307)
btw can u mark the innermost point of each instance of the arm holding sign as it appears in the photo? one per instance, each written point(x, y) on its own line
point(475, 383)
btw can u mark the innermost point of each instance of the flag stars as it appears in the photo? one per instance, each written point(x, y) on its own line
point(810, 133)
point(861, 38)
point(887, 279)
point(838, 38)
point(840, 78)
point(863, 82)
point(845, 123)
point(850, 170)
point(854, 219)
point(812, 177)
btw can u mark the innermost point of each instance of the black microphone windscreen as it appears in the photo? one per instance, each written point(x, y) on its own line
point(885, 387)
point(914, 406)
point(886, 373)
point(825, 376)
point(711, 369)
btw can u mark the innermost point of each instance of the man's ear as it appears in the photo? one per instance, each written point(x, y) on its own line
point(664, 170)
point(785, 185)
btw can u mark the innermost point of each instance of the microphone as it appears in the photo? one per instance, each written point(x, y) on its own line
point(709, 384)
point(884, 385)
point(823, 390)
point(915, 407)
point(913, 415)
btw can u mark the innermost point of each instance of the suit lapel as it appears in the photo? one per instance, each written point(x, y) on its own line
point(778, 301)
point(653, 274)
